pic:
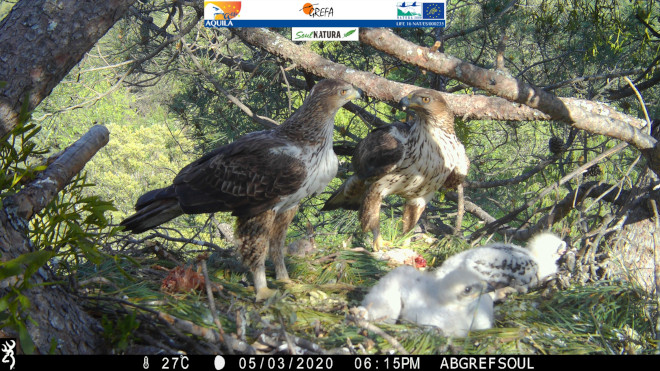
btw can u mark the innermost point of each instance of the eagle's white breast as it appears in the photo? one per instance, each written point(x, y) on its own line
point(431, 155)
point(321, 166)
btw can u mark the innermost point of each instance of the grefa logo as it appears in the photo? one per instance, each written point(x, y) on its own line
point(314, 10)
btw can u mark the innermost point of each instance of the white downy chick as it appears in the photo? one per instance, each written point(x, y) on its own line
point(456, 303)
point(508, 265)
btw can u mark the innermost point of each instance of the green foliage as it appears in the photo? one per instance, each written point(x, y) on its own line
point(119, 332)
point(17, 151)
point(72, 225)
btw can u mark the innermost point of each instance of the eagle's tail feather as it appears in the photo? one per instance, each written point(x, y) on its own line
point(349, 196)
point(153, 209)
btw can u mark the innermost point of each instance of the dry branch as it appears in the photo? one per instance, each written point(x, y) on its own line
point(466, 106)
point(493, 226)
point(570, 111)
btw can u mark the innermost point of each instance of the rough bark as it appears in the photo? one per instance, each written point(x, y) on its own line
point(40, 41)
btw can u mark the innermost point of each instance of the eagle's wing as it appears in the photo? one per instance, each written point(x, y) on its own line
point(248, 176)
point(381, 151)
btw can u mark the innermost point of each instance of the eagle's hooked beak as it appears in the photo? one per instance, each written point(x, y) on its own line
point(358, 93)
point(404, 103)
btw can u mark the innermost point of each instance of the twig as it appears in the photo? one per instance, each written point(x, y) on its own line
point(641, 103)
point(461, 209)
point(288, 88)
point(209, 294)
point(287, 337)
point(100, 281)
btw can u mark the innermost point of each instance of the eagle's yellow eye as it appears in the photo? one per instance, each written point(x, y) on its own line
point(426, 99)
point(343, 92)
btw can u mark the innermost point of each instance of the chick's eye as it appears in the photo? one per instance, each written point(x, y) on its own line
point(426, 99)
point(343, 92)
point(467, 290)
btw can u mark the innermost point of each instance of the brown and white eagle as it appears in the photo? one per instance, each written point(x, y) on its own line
point(409, 160)
point(261, 178)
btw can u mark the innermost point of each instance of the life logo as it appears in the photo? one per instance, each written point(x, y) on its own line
point(417, 10)
point(314, 10)
point(220, 13)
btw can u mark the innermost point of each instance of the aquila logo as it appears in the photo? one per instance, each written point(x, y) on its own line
point(220, 13)
point(313, 10)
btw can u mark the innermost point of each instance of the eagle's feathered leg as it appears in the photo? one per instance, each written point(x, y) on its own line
point(252, 235)
point(276, 248)
point(411, 213)
point(370, 215)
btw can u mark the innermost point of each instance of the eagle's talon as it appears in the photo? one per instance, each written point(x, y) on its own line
point(379, 244)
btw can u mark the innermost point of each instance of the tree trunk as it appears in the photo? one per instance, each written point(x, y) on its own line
point(40, 41)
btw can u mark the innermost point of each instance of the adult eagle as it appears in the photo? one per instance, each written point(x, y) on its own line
point(409, 160)
point(260, 178)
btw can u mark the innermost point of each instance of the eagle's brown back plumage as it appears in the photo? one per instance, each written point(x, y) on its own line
point(412, 161)
point(260, 178)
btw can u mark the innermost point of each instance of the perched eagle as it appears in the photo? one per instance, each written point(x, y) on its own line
point(409, 160)
point(505, 265)
point(261, 178)
point(456, 303)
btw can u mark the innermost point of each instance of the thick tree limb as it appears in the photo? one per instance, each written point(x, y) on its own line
point(569, 111)
point(40, 41)
point(467, 106)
